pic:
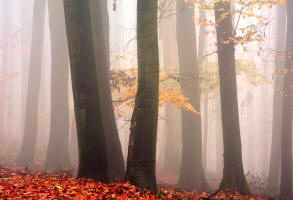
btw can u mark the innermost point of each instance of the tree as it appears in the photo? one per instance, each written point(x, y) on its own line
point(87, 102)
point(274, 168)
point(101, 41)
point(4, 67)
point(58, 147)
point(200, 56)
point(168, 50)
point(26, 156)
point(141, 158)
point(286, 123)
point(233, 175)
point(191, 172)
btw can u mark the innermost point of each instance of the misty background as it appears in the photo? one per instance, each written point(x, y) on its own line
point(256, 60)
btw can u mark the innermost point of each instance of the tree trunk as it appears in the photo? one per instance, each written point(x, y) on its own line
point(233, 175)
point(4, 67)
point(170, 62)
point(141, 158)
point(219, 138)
point(205, 131)
point(26, 156)
point(191, 172)
point(172, 149)
point(251, 129)
point(202, 36)
point(274, 168)
point(286, 123)
point(101, 41)
point(58, 147)
point(87, 102)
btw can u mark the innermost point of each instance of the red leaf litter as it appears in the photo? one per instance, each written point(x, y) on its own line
point(26, 184)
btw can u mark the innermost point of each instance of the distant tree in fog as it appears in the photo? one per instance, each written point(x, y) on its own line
point(287, 106)
point(141, 158)
point(26, 156)
point(274, 167)
point(233, 174)
point(58, 147)
point(4, 66)
point(191, 172)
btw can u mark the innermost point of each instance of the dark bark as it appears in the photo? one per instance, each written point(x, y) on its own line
point(26, 156)
point(58, 147)
point(87, 102)
point(274, 168)
point(101, 41)
point(191, 172)
point(233, 175)
point(141, 160)
point(286, 123)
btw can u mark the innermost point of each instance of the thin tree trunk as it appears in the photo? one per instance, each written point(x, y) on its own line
point(202, 36)
point(26, 156)
point(4, 68)
point(87, 102)
point(219, 138)
point(233, 175)
point(286, 123)
point(58, 147)
point(141, 160)
point(205, 131)
point(191, 172)
point(274, 168)
point(251, 132)
point(170, 62)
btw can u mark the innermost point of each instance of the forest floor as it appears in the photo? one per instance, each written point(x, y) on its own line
point(27, 184)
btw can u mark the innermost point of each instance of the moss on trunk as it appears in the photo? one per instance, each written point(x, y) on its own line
point(141, 159)
point(87, 103)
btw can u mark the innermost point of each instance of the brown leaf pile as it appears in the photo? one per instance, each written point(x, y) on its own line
point(26, 184)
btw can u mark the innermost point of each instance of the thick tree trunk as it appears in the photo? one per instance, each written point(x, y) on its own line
point(114, 150)
point(191, 172)
point(286, 123)
point(141, 160)
point(58, 147)
point(26, 156)
point(87, 102)
point(233, 175)
point(274, 168)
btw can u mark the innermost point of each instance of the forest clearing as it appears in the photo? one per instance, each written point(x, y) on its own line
point(146, 99)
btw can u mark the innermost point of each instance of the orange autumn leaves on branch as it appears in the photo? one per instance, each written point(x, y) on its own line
point(124, 86)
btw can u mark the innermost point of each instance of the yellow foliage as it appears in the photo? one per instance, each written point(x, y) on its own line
point(124, 96)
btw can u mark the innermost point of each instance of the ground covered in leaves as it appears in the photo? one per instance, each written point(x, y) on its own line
point(26, 184)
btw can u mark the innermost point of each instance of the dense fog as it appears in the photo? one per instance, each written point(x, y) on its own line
point(37, 120)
